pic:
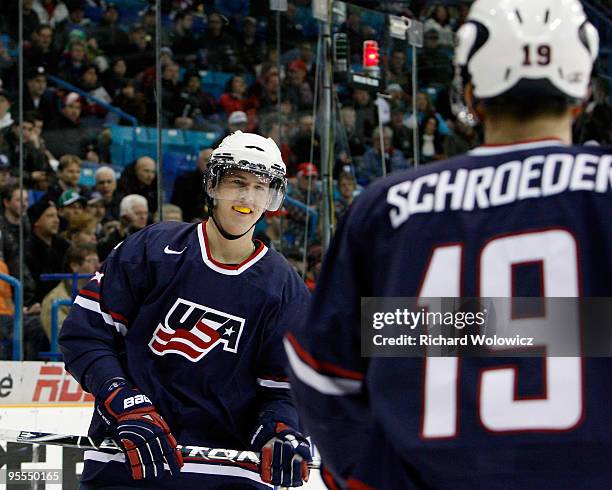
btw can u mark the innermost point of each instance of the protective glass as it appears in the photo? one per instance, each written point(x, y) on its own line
point(241, 183)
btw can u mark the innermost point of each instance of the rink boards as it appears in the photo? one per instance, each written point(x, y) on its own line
point(43, 397)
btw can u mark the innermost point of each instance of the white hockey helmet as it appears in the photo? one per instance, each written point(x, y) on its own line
point(252, 153)
point(533, 48)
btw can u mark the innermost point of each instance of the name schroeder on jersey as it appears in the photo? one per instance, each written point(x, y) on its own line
point(489, 186)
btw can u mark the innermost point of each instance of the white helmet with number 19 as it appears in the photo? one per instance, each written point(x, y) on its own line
point(527, 48)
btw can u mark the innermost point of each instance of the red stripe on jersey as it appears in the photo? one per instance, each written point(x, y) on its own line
point(260, 248)
point(174, 345)
point(89, 294)
point(118, 316)
point(190, 337)
point(323, 366)
point(354, 484)
point(328, 479)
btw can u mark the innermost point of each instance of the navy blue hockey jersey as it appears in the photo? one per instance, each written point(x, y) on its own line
point(201, 339)
point(462, 228)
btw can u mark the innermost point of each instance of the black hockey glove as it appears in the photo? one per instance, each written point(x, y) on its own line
point(139, 430)
point(285, 454)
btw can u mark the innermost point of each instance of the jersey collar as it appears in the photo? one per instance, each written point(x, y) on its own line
point(228, 270)
point(486, 150)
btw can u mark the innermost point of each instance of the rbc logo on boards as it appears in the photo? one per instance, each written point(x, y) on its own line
point(192, 331)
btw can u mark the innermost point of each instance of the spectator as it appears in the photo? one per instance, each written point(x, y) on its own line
point(75, 22)
point(182, 39)
point(130, 101)
point(398, 71)
point(367, 115)
point(235, 96)
point(7, 312)
point(13, 212)
point(97, 210)
point(296, 87)
point(188, 192)
point(38, 141)
point(106, 185)
point(34, 340)
point(435, 62)
point(148, 76)
point(30, 19)
point(171, 212)
point(237, 121)
point(89, 82)
point(50, 12)
point(251, 51)
point(303, 140)
point(194, 105)
point(440, 22)
point(222, 55)
point(6, 119)
point(70, 207)
point(268, 88)
point(134, 216)
point(36, 97)
point(371, 164)
point(270, 129)
point(402, 135)
point(354, 146)
point(41, 52)
point(79, 259)
point(290, 28)
point(111, 38)
point(140, 178)
point(347, 188)
point(139, 53)
point(114, 79)
point(69, 174)
point(463, 138)
point(306, 54)
point(67, 135)
point(308, 192)
point(431, 146)
point(148, 20)
point(82, 229)
point(74, 62)
point(171, 92)
point(37, 171)
point(45, 249)
point(424, 109)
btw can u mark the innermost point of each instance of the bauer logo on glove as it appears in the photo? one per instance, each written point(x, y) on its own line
point(139, 430)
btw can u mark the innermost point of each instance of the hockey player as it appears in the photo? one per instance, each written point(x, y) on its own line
point(524, 211)
point(179, 338)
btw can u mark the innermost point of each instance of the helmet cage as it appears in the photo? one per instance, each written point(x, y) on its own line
point(274, 178)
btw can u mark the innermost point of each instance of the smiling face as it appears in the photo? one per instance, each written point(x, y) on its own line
point(241, 199)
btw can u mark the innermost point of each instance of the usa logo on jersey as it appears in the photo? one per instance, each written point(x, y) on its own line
point(192, 331)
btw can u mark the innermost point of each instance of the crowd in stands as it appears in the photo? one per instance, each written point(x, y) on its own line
point(73, 49)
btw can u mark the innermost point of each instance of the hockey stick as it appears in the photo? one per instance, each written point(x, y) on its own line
point(193, 454)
